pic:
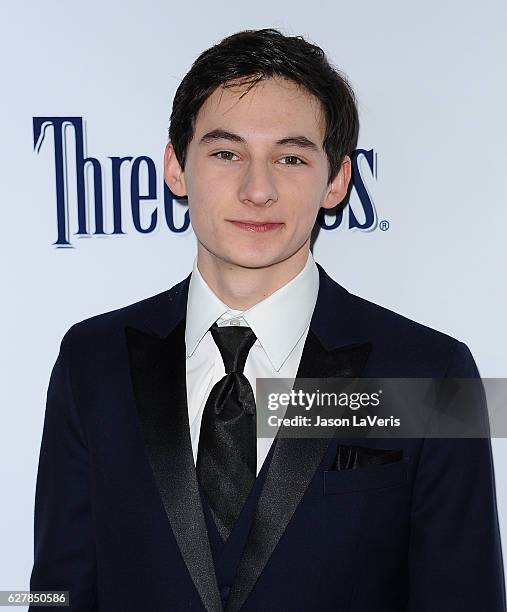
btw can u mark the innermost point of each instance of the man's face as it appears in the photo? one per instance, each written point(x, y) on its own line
point(256, 173)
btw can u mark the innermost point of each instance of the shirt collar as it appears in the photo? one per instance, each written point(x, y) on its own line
point(278, 321)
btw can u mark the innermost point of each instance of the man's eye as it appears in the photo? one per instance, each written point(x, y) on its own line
point(292, 160)
point(226, 155)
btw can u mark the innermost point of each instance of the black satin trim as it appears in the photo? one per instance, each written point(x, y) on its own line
point(293, 465)
point(159, 382)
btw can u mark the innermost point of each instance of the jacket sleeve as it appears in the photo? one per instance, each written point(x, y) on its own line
point(455, 557)
point(64, 548)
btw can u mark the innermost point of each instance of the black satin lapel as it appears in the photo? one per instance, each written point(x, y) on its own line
point(159, 382)
point(293, 465)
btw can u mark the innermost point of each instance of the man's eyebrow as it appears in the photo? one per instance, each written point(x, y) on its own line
point(298, 141)
point(220, 134)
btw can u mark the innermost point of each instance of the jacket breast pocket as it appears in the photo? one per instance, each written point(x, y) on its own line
point(366, 478)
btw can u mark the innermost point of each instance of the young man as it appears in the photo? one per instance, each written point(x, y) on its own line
point(153, 492)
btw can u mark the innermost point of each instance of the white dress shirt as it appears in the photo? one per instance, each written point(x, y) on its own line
point(280, 322)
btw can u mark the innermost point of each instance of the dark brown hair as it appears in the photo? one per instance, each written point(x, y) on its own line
point(260, 54)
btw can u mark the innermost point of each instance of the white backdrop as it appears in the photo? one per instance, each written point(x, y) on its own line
point(430, 79)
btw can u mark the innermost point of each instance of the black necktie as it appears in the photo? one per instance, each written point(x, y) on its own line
point(227, 453)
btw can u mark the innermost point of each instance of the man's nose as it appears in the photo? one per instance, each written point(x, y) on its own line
point(258, 185)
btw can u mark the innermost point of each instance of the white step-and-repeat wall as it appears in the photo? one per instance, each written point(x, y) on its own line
point(96, 80)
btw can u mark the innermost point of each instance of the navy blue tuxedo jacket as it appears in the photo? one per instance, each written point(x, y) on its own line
point(119, 521)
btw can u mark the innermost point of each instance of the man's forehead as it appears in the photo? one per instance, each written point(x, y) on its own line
point(239, 100)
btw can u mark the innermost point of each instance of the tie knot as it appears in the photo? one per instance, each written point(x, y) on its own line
point(234, 344)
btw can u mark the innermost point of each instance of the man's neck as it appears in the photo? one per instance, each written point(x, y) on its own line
point(239, 287)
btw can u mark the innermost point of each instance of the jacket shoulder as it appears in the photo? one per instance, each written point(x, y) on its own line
point(404, 338)
point(398, 323)
point(145, 314)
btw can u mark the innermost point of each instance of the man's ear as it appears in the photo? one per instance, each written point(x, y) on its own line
point(173, 174)
point(337, 188)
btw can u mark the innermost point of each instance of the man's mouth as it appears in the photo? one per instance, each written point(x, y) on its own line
point(257, 226)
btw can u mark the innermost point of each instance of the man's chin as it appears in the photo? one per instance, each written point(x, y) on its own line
point(239, 255)
point(244, 258)
point(254, 262)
